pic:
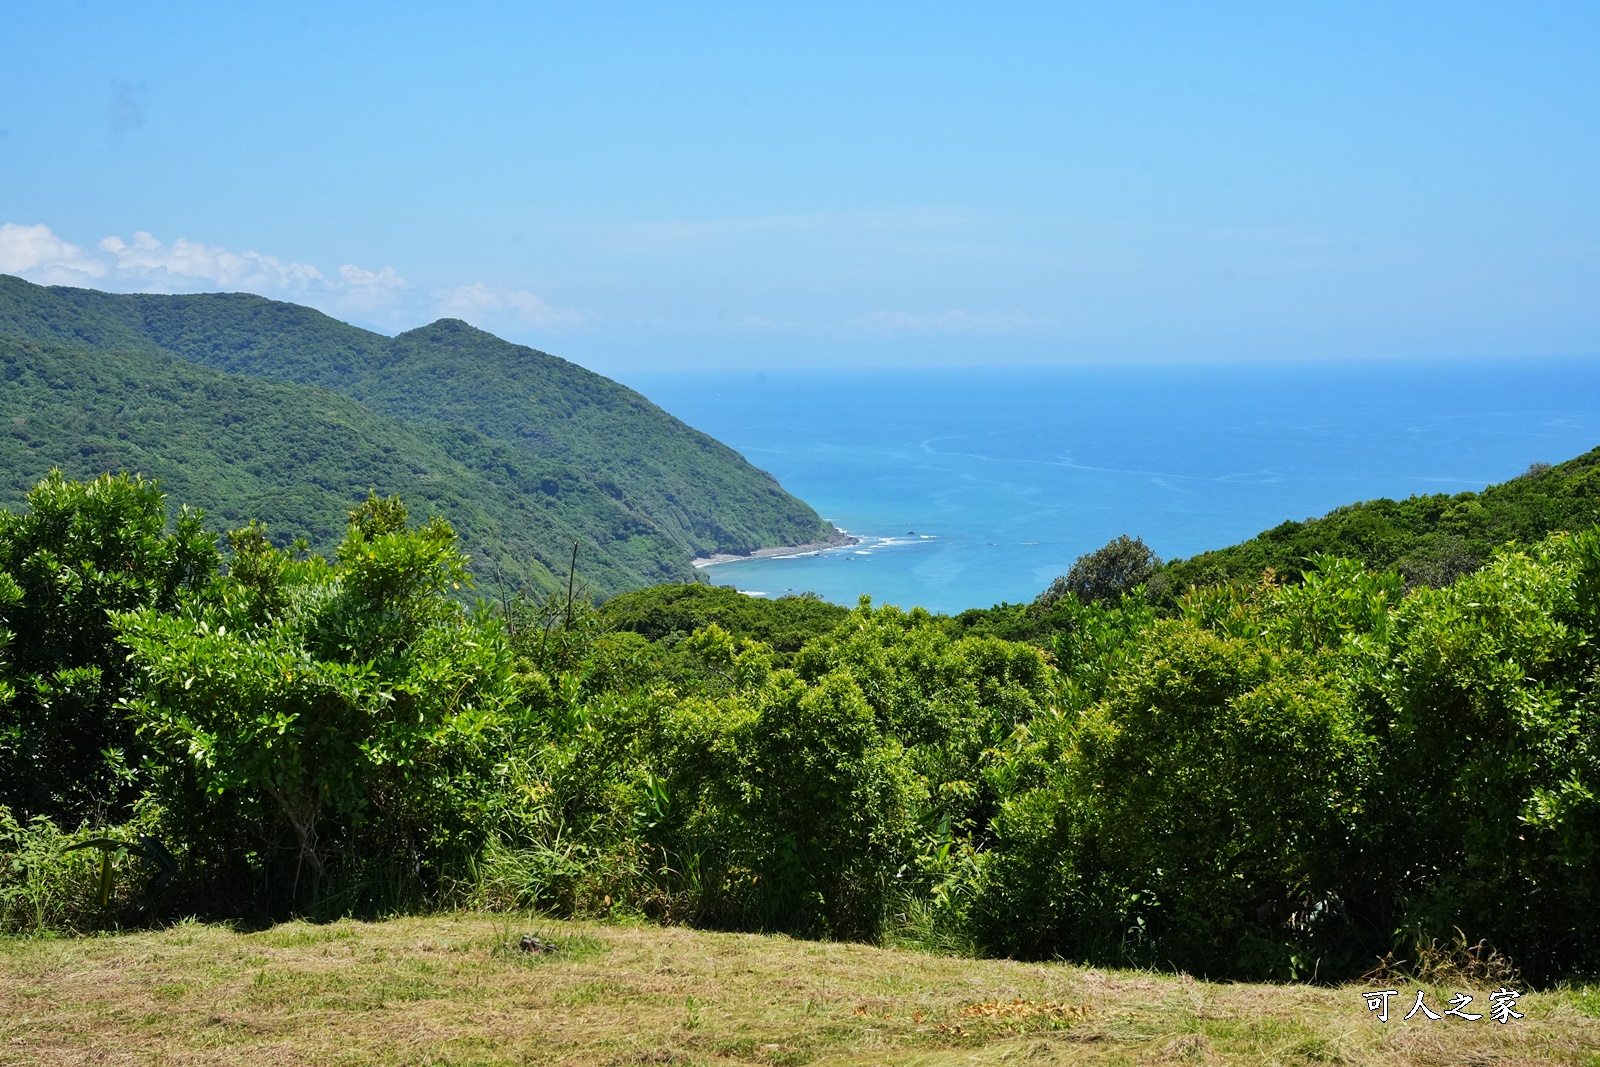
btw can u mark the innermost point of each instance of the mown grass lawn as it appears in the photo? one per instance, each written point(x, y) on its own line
point(445, 990)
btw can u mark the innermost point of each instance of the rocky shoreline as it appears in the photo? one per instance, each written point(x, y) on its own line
point(840, 539)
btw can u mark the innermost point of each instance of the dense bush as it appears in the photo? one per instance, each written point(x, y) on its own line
point(1272, 778)
point(672, 612)
point(82, 551)
point(306, 715)
point(1494, 747)
point(1202, 809)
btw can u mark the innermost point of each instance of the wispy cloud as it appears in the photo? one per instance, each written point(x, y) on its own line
point(892, 323)
point(183, 265)
point(145, 264)
point(466, 301)
point(679, 234)
point(371, 289)
point(1012, 320)
point(759, 324)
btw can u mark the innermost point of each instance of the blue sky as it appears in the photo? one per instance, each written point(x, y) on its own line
point(769, 184)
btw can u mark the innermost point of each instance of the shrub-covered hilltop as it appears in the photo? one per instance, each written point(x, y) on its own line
point(1430, 540)
point(256, 409)
point(1252, 778)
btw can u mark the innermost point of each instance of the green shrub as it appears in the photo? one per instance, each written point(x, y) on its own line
point(50, 881)
point(82, 551)
point(307, 717)
point(782, 805)
point(1495, 757)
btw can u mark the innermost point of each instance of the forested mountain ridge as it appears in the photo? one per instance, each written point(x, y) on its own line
point(296, 456)
point(525, 451)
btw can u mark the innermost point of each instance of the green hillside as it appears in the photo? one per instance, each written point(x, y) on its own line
point(296, 457)
point(257, 408)
point(1431, 539)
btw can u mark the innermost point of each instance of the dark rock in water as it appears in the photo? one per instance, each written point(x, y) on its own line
point(529, 943)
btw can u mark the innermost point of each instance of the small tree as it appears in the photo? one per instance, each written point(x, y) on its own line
point(1102, 576)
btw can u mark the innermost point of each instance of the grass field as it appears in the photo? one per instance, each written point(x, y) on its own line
point(448, 990)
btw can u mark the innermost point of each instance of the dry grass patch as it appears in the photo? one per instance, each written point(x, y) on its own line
point(455, 990)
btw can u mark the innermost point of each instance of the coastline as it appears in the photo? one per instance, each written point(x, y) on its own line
point(840, 539)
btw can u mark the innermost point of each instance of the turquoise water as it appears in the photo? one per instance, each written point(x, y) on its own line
point(970, 487)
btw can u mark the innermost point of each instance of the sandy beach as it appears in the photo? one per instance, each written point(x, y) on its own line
point(840, 539)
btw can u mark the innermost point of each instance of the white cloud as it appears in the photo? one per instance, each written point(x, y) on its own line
point(35, 253)
point(184, 265)
point(148, 265)
point(370, 289)
point(479, 300)
point(145, 264)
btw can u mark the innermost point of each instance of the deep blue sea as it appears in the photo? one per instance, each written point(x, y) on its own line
point(971, 486)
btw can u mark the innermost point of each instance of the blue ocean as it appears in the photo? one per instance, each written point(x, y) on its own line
point(969, 487)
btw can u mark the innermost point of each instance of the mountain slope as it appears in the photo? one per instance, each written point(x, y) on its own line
point(700, 492)
point(297, 457)
point(547, 451)
point(1430, 539)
